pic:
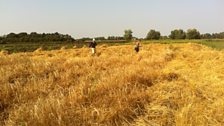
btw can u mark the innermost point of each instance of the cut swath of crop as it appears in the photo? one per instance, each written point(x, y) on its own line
point(164, 85)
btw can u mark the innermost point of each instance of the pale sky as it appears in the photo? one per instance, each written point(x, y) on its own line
point(93, 18)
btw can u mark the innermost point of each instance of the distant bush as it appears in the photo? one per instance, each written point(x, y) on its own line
point(85, 39)
point(35, 37)
point(177, 34)
point(206, 36)
point(164, 37)
point(193, 34)
point(128, 34)
point(153, 35)
point(1, 40)
point(218, 35)
point(100, 38)
point(115, 38)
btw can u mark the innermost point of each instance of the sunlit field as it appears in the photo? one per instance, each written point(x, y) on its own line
point(162, 85)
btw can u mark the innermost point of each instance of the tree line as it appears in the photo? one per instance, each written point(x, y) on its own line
point(35, 37)
point(128, 35)
point(156, 35)
point(176, 34)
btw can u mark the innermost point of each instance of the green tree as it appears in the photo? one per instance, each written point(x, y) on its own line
point(36, 37)
point(115, 38)
point(153, 34)
point(128, 35)
point(218, 35)
point(215, 35)
point(193, 34)
point(222, 35)
point(100, 38)
point(22, 37)
point(1, 40)
point(164, 37)
point(177, 34)
point(206, 36)
point(11, 35)
point(22, 34)
point(84, 39)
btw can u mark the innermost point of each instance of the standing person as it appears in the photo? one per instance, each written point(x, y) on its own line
point(93, 45)
point(137, 46)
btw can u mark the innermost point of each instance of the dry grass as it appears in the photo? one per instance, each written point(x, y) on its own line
point(163, 85)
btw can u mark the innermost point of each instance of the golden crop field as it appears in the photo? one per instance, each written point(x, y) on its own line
point(162, 85)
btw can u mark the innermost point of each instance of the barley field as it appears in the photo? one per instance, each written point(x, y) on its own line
point(162, 85)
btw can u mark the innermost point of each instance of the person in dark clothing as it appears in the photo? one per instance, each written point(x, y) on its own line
point(137, 46)
point(93, 45)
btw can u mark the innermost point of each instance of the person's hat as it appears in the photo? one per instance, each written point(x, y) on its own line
point(94, 39)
